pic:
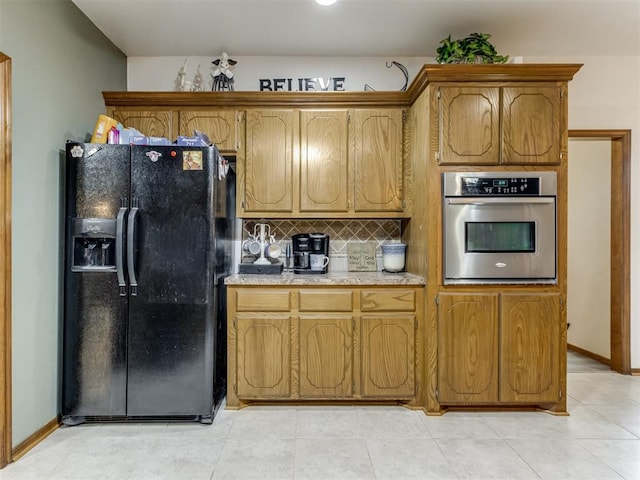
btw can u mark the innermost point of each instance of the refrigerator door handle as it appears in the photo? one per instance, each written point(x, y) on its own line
point(133, 281)
point(120, 250)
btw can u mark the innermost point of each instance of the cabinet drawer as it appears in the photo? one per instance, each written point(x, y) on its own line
point(389, 300)
point(326, 301)
point(250, 300)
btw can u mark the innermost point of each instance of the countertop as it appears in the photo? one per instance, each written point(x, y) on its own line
point(332, 278)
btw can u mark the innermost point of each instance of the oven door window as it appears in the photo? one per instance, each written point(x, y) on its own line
point(500, 237)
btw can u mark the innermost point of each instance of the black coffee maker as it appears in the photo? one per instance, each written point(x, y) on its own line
point(310, 252)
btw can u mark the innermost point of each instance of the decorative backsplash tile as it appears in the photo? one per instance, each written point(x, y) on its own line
point(340, 232)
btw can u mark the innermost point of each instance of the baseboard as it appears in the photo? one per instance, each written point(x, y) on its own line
point(586, 353)
point(635, 372)
point(34, 439)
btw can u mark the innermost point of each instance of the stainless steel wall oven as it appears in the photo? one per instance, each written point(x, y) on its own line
point(499, 227)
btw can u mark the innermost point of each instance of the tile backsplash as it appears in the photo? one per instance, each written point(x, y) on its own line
point(340, 232)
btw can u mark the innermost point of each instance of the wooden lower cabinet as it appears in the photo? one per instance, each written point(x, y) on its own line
point(326, 356)
point(322, 344)
point(530, 345)
point(499, 348)
point(263, 356)
point(388, 356)
point(467, 348)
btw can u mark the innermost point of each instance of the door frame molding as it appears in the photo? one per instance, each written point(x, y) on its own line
point(620, 242)
point(5, 260)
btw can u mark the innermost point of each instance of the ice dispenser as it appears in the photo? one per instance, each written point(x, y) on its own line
point(94, 246)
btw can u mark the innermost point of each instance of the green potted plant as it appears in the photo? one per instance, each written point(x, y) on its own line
point(474, 48)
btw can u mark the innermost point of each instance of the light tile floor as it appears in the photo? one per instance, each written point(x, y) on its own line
point(600, 440)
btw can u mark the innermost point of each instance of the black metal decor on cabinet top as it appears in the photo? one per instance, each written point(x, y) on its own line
point(145, 258)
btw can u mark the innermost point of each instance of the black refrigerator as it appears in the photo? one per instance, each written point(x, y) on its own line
point(148, 243)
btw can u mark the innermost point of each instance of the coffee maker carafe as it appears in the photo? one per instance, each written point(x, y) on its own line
point(310, 252)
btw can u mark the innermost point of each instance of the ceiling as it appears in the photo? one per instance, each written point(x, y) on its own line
point(361, 28)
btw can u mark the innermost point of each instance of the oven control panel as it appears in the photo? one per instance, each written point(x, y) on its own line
point(500, 184)
point(475, 186)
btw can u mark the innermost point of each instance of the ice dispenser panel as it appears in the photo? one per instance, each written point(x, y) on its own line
point(94, 247)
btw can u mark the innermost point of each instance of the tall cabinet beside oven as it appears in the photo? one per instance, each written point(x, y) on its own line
point(500, 344)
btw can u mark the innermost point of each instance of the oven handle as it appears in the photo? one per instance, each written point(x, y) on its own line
point(498, 200)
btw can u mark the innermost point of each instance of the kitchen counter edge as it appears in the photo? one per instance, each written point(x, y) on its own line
point(332, 278)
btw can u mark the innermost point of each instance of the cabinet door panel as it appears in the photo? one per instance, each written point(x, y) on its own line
point(219, 125)
point(377, 148)
point(326, 356)
point(388, 356)
point(467, 348)
point(268, 165)
point(323, 161)
point(264, 356)
point(530, 348)
point(469, 121)
point(531, 125)
point(152, 123)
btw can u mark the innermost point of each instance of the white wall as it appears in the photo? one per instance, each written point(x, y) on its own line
point(159, 73)
point(589, 252)
point(61, 63)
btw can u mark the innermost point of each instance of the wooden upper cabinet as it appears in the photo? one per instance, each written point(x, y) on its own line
point(510, 125)
point(469, 125)
point(377, 160)
point(324, 171)
point(151, 123)
point(532, 126)
point(530, 344)
point(221, 126)
point(268, 164)
point(323, 163)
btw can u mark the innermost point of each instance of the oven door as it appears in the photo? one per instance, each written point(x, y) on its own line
point(499, 240)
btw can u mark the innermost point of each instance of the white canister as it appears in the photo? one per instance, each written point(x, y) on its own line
point(393, 255)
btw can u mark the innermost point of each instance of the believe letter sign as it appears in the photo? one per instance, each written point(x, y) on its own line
point(315, 84)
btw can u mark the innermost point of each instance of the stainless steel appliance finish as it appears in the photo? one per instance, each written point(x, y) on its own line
point(499, 227)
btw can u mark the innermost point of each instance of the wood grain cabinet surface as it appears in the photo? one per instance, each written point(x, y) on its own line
point(220, 125)
point(318, 163)
point(328, 345)
point(326, 356)
point(377, 160)
point(263, 356)
point(510, 125)
point(151, 123)
point(388, 355)
point(267, 178)
point(325, 183)
point(499, 348)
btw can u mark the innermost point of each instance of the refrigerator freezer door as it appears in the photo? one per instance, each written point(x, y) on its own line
point(94, 351)
point(171, 332)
